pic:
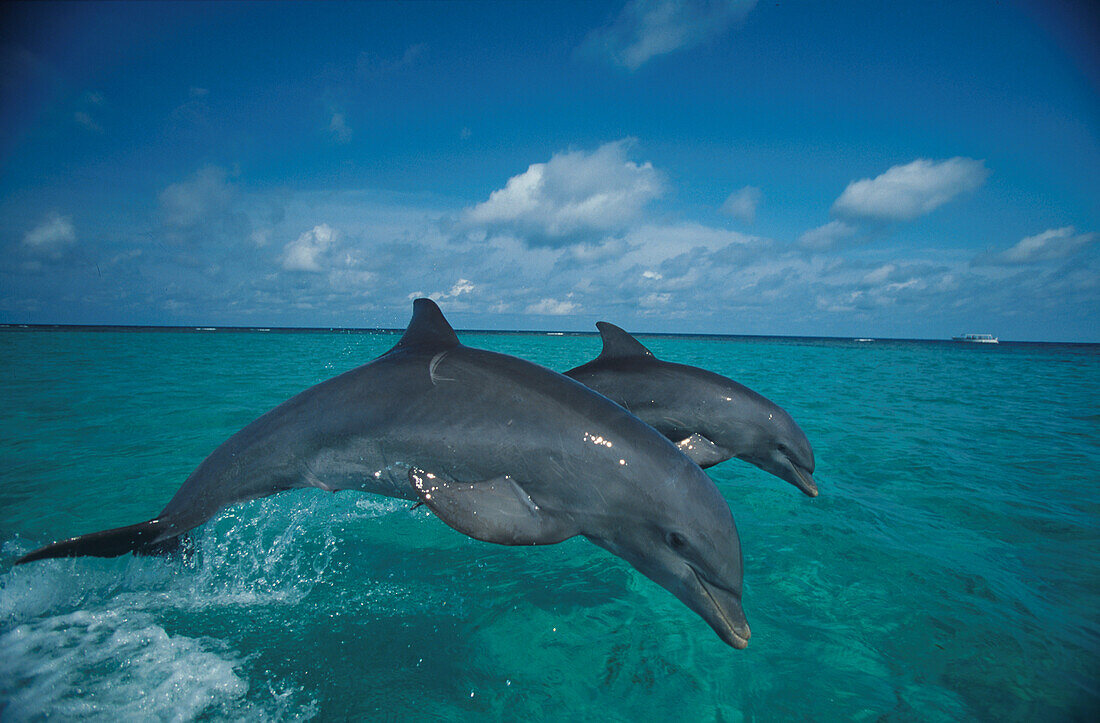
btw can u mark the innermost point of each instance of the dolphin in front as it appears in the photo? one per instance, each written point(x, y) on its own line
point(711, 418)
point(500, 449)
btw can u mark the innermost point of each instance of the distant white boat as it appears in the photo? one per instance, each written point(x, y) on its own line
point(205, 328)
point(977, 338)
point(555, 333)
point(864, 339)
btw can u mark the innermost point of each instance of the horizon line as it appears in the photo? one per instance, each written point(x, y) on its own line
point(196, 328)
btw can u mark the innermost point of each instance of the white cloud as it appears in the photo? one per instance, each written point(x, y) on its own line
point(353, 281)
point(52, 236)
point(681, 275)
point(552, 307)
point(1049, 245)
point(650, 245)
point(905, 192)
point(460, 287)
point(205, 195)
point(339, 128)
point(655, 300)
point(572, 196)
point(879, 275)
point(742, 204)
point(826, 237)
point(645, 29)
point(305, 253)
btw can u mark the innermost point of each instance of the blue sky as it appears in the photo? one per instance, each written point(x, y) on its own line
point(857, 169)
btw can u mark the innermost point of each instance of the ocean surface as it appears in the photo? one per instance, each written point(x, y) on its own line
point(949, 570)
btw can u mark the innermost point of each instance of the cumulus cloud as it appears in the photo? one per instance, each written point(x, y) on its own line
point(742, 203)
point(645, 29)
point(460, 287)
point(826, 237)
point(552, 307)
point(679, 274)
point(205, 195)
point(1050, 245)
point(905, 192)
point(572, 197)
point(52, 236)
point(304, 254)
point(920, 286)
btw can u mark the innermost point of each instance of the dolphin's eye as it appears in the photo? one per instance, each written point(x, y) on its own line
point(676, 541)
point(783, 450)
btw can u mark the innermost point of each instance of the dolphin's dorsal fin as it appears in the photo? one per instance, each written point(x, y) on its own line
point(618, 344)
point(428, 329)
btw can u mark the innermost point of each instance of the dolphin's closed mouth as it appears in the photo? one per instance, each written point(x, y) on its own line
point(738, 639)
point(806, 481)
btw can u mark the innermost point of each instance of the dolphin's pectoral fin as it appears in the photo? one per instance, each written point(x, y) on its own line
point(495, 510)
point(702, 451)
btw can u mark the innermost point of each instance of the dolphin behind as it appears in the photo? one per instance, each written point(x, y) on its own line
point(500, 449)
point(711, 418)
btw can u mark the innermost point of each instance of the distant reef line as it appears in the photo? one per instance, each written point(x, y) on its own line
point(181, 329)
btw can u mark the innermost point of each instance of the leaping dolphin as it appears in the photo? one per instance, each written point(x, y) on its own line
point(499, 448)
point(711, 418)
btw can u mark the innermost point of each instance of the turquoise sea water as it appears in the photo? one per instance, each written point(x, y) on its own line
point(950, 569)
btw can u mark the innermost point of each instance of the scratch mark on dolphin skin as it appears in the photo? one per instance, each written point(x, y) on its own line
point(314, 481)
point(433, 364)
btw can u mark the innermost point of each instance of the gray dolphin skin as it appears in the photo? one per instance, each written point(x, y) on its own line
point(711, 418)
point(500, 449)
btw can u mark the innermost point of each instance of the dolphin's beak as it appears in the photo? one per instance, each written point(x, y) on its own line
point(802, 479)
point(722, 611)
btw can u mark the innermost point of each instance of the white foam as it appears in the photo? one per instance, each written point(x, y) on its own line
point(83, 638)
point(112, 664)
point(372, 506)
